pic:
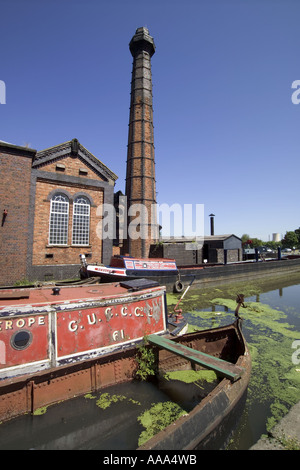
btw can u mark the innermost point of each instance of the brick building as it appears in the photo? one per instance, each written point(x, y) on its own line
point(15, 171)
point(53, 201)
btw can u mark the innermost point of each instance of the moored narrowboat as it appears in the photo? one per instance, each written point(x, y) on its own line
point(126, 267)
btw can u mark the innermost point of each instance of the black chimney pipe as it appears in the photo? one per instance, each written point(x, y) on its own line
point(212, 225)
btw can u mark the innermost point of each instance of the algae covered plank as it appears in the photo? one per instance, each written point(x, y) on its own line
point(221, 367)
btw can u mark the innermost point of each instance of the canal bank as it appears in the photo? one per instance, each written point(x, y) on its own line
point(212, 275)
point(285, 435)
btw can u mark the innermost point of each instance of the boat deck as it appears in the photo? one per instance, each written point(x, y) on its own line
point(47, 296)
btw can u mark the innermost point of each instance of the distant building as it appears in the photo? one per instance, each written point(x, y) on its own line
point(222, 249)
point(216, 249)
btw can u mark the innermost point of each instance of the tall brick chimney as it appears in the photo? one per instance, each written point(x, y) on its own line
point(140, 175)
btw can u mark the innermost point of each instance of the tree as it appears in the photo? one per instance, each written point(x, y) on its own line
point(297, 232)
point(245, 238)
point(251, 242)
point(272, 245)
point(290, 239)
point(256, 242)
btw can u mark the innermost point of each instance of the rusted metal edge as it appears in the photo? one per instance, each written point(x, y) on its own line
point(221, 367)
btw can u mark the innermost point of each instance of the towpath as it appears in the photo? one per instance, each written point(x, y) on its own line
point(285, 435)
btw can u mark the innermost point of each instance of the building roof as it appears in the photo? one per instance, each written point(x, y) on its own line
point(220, 237)
point(74, 148)
point(16, 149)
point(193, 239)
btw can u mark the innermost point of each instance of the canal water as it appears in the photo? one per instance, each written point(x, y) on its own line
point(271, 326)
point(125, 416)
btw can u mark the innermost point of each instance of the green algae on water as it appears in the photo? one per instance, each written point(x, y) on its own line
point(192, 376)
point(40, 411)
point(158, 417)
point(275, 380)
point(90, 396)
point(201, 297)
point(262, 316)
point(105, 400)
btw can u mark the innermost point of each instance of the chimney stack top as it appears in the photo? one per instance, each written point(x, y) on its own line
point(142, 41)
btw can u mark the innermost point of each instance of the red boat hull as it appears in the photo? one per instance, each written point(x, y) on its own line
point(46, 331)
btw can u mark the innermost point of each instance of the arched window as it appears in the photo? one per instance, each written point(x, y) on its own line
point(81, 221)
point(59, 218)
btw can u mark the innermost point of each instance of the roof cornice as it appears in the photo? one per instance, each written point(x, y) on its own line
point(5, 147)
point(74, 149)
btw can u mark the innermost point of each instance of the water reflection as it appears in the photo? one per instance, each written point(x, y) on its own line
point(81, 424)
point(105, 420)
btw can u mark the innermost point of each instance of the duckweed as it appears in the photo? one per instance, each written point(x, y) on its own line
point(40, 411)
point(191, 376)
point(90, 396)
point(105, 400)
point(274, 380)
point(158, 417)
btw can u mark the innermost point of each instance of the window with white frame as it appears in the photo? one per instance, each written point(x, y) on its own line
point(59, 218)
point(81, 221)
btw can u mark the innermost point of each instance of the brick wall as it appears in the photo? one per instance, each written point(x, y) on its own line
point(15, 170)
point(63, 254)
point(72, 167)
point(140, 177)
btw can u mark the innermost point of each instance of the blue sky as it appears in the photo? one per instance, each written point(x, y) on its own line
point(227, 134)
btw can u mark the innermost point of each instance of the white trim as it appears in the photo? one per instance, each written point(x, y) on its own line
point(84, 217)
point(56, 234)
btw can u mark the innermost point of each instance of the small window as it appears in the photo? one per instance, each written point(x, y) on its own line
point(81, 221)
point(21, 340)
point(60, 167)
point(59, 219)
